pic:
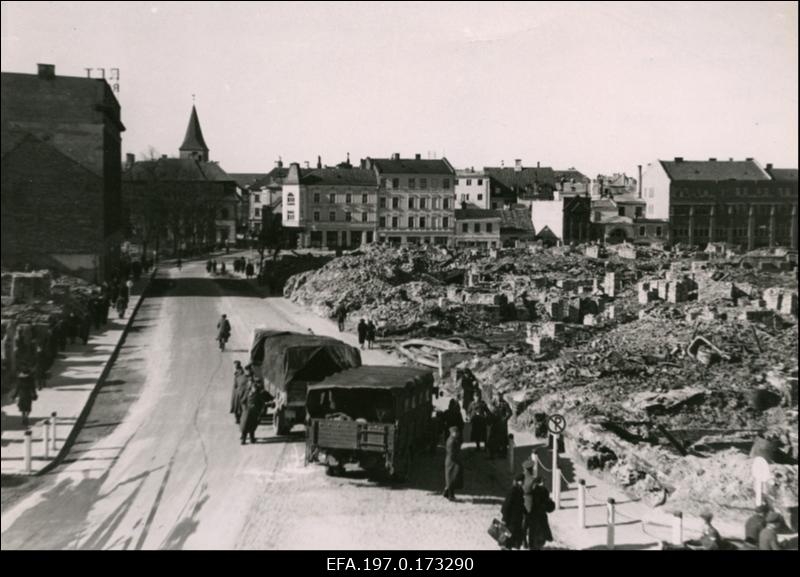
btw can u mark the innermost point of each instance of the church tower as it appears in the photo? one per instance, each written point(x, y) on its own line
point(194, 146)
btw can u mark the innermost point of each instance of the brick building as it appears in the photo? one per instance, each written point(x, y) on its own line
point(61, 167)
point(737, 202)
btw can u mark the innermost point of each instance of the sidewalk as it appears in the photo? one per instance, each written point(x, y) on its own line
point(74, 376)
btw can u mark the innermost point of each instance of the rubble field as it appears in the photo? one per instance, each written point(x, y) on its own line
point(673, 368)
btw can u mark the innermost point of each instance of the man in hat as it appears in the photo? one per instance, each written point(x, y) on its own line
point(768, 538)
point(514, 513)
point(754, 525)
point(453, 467)
point(239, 388)
point(537, 502)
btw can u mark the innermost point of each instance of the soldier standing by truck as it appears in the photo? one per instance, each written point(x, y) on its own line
point(254, 401)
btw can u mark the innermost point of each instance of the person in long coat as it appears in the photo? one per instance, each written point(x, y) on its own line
point(478, 414)
point(239, 389)
point(453, 466)
point(223, 329)
point(537, 504)
point(362, 333)
point(513, 512)
point(497, 433)
point(452, 418)
point(371, 329)
point(254, 401)
point(25, 393)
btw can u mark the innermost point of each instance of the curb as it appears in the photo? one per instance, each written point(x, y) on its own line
point(79, 422)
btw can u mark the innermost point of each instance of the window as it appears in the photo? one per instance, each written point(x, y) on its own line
point(423, 183)
point(446, 183)
point(257, 212)
point(394, 222)
point(410, 222)
point(289, 215)
point(410, 203)
point(348, 217)
point(638, 211)
point(290, 199)
point(364, 198)
point(363, 217)
point(332, 216)
point(446, 222)
point(658, 231)
point(641, 231)
point(435, 222)
point(488, 227)
point(332, 198)
point(480, 197)
point(316, 198)
point(463, 198)
point(257, 198)
point(435, 203)
point(316, 216)
point(395, 183)
point(476, 227)
point(412, 183)
point(422, 222)
point(446, 204)
point(621, 211)
point(382, 222)
point(464, 227)
point(480, 182)
point(382, 202)
point(348, 198)
point(469, 182)
point(422, 203)
point(396, 202)
point(597, 216)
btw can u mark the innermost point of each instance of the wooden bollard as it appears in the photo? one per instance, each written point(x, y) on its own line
point(581, 503)
point(610, 524)
point(53, 419)
point(677, 528)
point(27, 459)
point(556, 475)
point(46, 438)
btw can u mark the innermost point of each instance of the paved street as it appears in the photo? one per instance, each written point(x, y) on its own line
point(171, 473)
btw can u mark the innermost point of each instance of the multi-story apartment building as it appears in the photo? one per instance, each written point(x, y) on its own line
point(477, 227)
point(729, 201)
point(330, 207)
point(415, 199)
point(476, 189)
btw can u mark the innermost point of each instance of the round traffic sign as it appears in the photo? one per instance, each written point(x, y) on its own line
point(556, 424)
point(761, 471)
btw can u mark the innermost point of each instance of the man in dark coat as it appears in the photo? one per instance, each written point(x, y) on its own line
point(537, 504)
point(514, 513)
point(121, 305)
point(362, 333)
point(240, 381)
point(468, 384)
point(754, 525)
point(497, 434)
point(478, 414)
point(25, 393)
point(254, 400)
point(453, 466)
point(371, 329)
point(452, 418)
point(86, 327)
point(249, 271)
point(72, 326)
point(223, 330)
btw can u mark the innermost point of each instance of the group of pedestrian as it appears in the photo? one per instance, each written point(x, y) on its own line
point(525, 510)
point(366, 333)
point(119, 292)
point(211, 266)
point(248, 401)
point(243, 266)
point(489, 424)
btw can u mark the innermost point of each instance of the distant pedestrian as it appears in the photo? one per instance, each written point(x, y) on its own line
point(453, 466)
point(370, 334)
point(40, 365)
point(136, 269)
point(754, 524)
point(468, 384)
point(768, 537)
point(497, 427)
point(254, 401)
point(341, 316)
point(129, 286)
point(362, 333)
point(25, 393)
point(513, 512)
point(105, 305)
point(222, 269)
point(73, 327)
point(452, 418)
point(537, 505)
point(214, 266)
point(121, 305)
point(249, 270)
point(180, 263)
point(240, 381)
point(478, 414)
point(208, 266)
point(85, 328)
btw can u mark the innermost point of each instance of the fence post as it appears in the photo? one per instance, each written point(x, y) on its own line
point(581, 503)
point(27, 442)
point(556, 477)
point(46, 438)
point(677, 528)
point(610, 523)
point(53, 419)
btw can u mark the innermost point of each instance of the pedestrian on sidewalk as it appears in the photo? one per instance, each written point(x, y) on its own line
point(452, 418)
point(341, 316)
point(208, 266)
point(25, 393)
point(86, 328)
point(362, 333)
point(73, 325)
point(478, 414)
point(537, 505)
point(105, 305)
point(239, 389)
point(370, 334)
point(453, 465)
point(253, 407)
point(249, 270)
point(222, 269)
point(121, 305)
point(513, 512)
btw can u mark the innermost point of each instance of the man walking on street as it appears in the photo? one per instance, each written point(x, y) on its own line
point(341, 316)
point(537, 505)
point(254, 402)
point(513, 512)
point(453, 466)
point(362, 333)
point(370, 334)
point(239, 389)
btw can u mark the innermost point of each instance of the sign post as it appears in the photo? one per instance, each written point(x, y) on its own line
point(556, 425)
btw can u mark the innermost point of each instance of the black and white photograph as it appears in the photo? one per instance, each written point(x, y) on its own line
point(450, 278)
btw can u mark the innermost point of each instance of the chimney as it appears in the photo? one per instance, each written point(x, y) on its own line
point(537, 164)
point(712, 159)
point(130, 158)
point(640, 180)
point(395, 156)
point(417, 156)
point(749, 159)
point(678, 159)
point(47, 71)
point(279, 163)
point(319, 161)
point(502, 164)
point(163, 156)
point(769, 166)
point(517, 164)
point(307, 164)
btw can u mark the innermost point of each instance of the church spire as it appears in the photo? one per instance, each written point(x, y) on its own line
point(194, 146)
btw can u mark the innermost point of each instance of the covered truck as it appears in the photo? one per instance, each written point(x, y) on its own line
point(287, 362)
point(376, 416)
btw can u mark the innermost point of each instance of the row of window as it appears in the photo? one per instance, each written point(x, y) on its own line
point(348, 198)
point(465, 197)
point(348, 216)
point(479, 181)
point(476, 227)
point(420, 203)
point(415, 222)
point(643, 231)
point(414, 183)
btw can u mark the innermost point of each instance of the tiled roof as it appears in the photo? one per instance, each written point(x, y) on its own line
point(783, 174)
point(515, 219)
point(246, 179)
point(413, 166)
point(570, 174)
point(176, 170)
point(713, 170)
point(339, 177)
point(194, 135)
point(523, 180)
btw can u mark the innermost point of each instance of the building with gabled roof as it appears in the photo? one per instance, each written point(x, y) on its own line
point(194, 145)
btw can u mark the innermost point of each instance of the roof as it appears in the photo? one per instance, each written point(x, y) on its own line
point(783, 174)
point(413, 166)
point(477, 214)
point(602, 203)
point(376, 377)
point(339, 177)
point(569, 174)
point(515, 219)
point(523, 180)
point(246, 179)
point(176, 170)
point(194, 135)
point(282, 356)
point(713, 170)
point(546, 233)
point(628, 199)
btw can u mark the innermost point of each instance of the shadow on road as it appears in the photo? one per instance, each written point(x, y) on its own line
point(201, 287)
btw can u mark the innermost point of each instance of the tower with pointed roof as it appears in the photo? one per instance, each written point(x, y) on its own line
point(194, 146)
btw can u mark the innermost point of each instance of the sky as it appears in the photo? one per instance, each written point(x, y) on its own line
point(601, 86)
